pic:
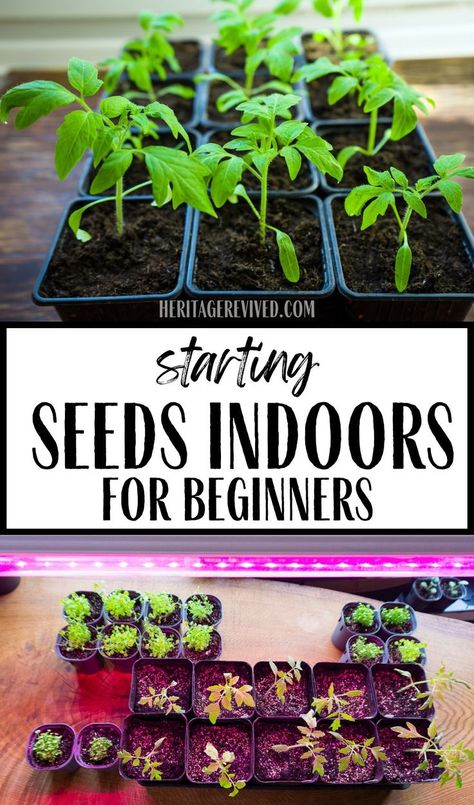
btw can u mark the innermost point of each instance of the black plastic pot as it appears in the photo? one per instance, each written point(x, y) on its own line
point(334, 670)
point(375, 306)
point(278, 709)
point(369, 731)
point(8, 584)
point(419, 602)
point(205, 122)
point(170, 667)
point(236, 668)
point(233, 73)
point(203, 59)
point(264, 724)
point(385, 631)
point(406, 703)
point(112, 308)
point(446, 599)
point(162, 723)
point(90, 664)
point(122, 664)
point(220, 728)
point(380, 47)
point(321, 296)
point(406, 776)
point(342, 633)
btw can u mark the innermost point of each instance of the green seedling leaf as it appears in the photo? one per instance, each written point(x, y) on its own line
point(83, 76)
point(403, 264)
point(341, 87)
point(226, 177)
point(76, 135)
point(35, 99)
point(293, 161)
point(376, 208)
point(448, 163)
point(287, 255)
point(453, 194)
point(114, 167)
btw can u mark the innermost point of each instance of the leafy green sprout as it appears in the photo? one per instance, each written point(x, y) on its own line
point(162, 700)
point(76, 607)
point(450, 757)
point(335, 706)
point(433, 689)
point(429, 586)
point(387, 189)
point(357, 753)
point(284, 678)
point(120, 604)
point(175, 176)
point(150, 768)
point(121, 640)
point(198, 636)
point(373, 84)
point(222, 696)
point(363, 649)
point(223, 765)
point(76, 636)
point(144, 58)
point(47, 746)
point(362, 615)
point(157, 642)
point(161, 606)
point(409, 650)
point(343, 45)
point(199, 608)
point(395, 616)
point(310, 743)
point(99, 748)
point(456, 588)
point(268, 132)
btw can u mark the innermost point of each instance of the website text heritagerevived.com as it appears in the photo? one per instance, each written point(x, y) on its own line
point(187, 309)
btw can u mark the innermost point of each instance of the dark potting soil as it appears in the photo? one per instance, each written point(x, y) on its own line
point(170, 754)
point(314, 50)
point(394, 653)
point(96, 604)
point(390, 701)
point(408, 155)
point(236, 738)
point(359, 628)
point(346, 108)
point(230, 257)
point(440, 262)
point(278, 178)
point(297, 696)
point(216, 614)
point(345, 678)
point(401, 764)
point(77, 654)
point(66, 747)
point(211, 653)
point(167, 620)
point(233, 63)
point(161, 676)
point(271, 766)
point(182, 107)
point(188, 54)
point(130, 652)
point(368, 663)
point(99, 732)
point(359, 733)
point(169, 633)
point(213, 674)
point(145, 261)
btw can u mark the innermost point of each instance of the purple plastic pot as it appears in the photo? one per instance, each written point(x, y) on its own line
point(141, 730)
point(354, 775)
point(123, 664)
point(173, 622)
point(298, 697)
point(105, 730)
point(347, 656)
point(91, 597)
point(387, 682)
point(343, 631)
point(215, 671)
point(162, 673)
point(68, 762)
point(274, 768)
point(395, 771)
point(133, 619)
point(418, 601)
point(216, 616)
point(230, 735)
point(89, 664)
point(212, 653)
point(386, 631)
point(360, 679)
point(176, 652)
point(391, 647)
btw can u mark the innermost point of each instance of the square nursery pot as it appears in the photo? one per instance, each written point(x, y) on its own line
point(280, 768)
point(154, 255)
point(349, 657)
point(345, 629)
point(232, 65)
point(192, 55)
point(96, 618)
point(347, 677)
point(393, 655)
point(413, 155)
point(401, 764)
point(214, 618)
point(159, 674)
point(208, 673)
point(441, 285)
point(213, 652)
point(420, 599)
point(173, 621)
point(401, 631)
point(67, 761)
point(187, 110)
point(174, 653)
point(144, 731)
point(298, 696)
point(87, 734)
point(226, 260)
point(387, 684)
point(139, 607)
point(85, 661)
point(314, 50)
point(446, 596)
point(210, 118)
point(359, 731)
point(232, 736)
point(123, 664)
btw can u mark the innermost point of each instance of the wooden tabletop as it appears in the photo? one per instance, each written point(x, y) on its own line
point(262, 619)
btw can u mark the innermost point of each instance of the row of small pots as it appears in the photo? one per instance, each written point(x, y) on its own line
point(435, 595)
point(389, 653)
point(345, 629)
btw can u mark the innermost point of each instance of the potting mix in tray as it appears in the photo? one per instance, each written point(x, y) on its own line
point(279, 722)
point(274, 163)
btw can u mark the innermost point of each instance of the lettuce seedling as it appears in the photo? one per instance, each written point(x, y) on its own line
point(449, 758)
point(373, 84)
point(99, 749)
point(198, 637)
point(409, 650)
point(161, 606)
point(396, 616)
point(309, 743)
point(121, 639)
point(223, 764)
point(162, 700)
point(364, 649)
point(76, 607)
point(344, 45)
point(150, 768)
point(157, 643)
point(262, 139)
point(222, 696)
point(334, 706)
point(387, 189)
point(199, 609)
point(238, 27)
point(120, 605)
point(145, 58)
point(76, 636)
point(363, 615)
point(175, 175)
point(47, 746)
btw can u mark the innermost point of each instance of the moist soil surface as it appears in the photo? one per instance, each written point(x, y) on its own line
point(408, 155)
point(297, 696)
point(66, 748)
point(137, 610)
point(233, 63)
point(359, 733)
point(278, 178)
point(215, 615)
point(145, 261)
point(169, 633)
point(213, 674)
point(401, 765)
point(230, 257)
point(182, 107)
point(144, 734)
point(96, 605)
point(212, 652)
point(130, 652)
point(391, 703)
point(173, 619)
point(78, 654)
point(345, 678)
point(346, 108)
point(369, 662)
point(188, 53)
point(359, 628)
point(99, 732)
point(236, 738)
point(440, 262)
point(271, 766)
point(394, 653)
point(159, 675)
point(314, 50)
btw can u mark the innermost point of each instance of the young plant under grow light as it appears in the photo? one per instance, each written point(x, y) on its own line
point(161, 606)
point(76, 636)
point(144, 58)
point(356, 753)
point(409, 650)
point(223, 764)
point(335, 706)
point(150, 768)
point(199, 608)
point(262, 139)
point(352, 45)
point(395, 616)
point(452, 587)
point(386, 191)
point(76, 607)
point(198, 636)
point(374, 85)
point(363, 649)
point(157, 643)
point(282, 679)
point(222, 696)
point(428, 588)
point(309, 743)
point(175, 175)
point(450, 757)
point(98, 749)
point(434, 688)
point(47, 746)
point(363, 615)
point(121, 641)
point(162, 700)
point(120, 605)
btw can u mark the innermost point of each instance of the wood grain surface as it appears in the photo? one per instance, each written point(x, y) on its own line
point(32, 199)
point(262, 619)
